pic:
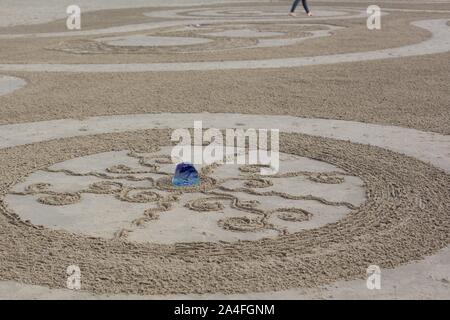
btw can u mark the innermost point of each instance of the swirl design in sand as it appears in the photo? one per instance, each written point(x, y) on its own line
point(230, 201)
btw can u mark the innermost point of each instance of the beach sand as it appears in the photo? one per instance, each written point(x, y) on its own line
point(383, 121)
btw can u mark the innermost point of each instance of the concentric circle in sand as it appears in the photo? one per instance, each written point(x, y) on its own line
point(202, 38)
point(268, 12)
point(404, 218)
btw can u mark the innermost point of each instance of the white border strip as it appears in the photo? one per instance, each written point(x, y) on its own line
point(430, 147)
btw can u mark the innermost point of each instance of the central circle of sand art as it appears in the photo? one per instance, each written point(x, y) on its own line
point(202, 38)
point(404, 216)
point(129, 195)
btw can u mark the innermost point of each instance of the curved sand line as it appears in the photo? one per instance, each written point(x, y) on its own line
point(268, 43)
point(157, 41)
point(244, 33)
point(32, 12)
point(438, 43)
point(239, 12)
point(10, 84)
point(151, 41)
point(104, 214)
point(164, 24)
point(426, 146)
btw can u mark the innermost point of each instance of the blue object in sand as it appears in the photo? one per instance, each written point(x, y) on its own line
point(185, 175)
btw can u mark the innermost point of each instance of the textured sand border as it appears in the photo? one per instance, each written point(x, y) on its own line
point(426, 279)
point(438, 43)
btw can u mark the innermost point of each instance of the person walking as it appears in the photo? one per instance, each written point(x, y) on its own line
point(305, 6)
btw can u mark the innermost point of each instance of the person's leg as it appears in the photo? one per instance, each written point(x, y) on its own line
point(305, 5)
point(294, 5)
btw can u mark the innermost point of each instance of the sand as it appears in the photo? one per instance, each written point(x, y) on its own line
point(368, 92)
point(438, 43)
point(389, 205)
point(44, 46)
point(404, 172)
point(430, 281)
point(426, 146)
point(10, 84)
point(25, 12)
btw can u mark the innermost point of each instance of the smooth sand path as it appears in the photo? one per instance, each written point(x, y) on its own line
point(10, 84)
point(426, 146)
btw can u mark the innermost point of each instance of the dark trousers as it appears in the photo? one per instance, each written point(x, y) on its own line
point(304, 3)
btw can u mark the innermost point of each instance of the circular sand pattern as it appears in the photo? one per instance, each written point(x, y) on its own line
point(149, 41)
point(177, 18)
point(438, 43)
point(245, 33)
point(10, 84)
point(202, 38)
point(404, 218)
point(99, 183)
point(261, 12)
